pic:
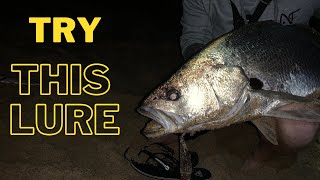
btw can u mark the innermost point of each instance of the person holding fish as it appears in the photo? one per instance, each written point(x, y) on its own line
point(246, 62)
point(203, 21)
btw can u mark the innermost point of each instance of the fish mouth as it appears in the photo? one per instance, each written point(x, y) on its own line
point(162, 122)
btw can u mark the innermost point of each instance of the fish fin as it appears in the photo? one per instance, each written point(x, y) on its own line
point(297, 111)
point(283, 105)
point(267, 126)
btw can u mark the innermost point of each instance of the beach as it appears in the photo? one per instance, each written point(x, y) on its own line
point(136, 66)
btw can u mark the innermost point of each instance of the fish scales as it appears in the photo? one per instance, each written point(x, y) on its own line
point(270, 50)
point(216, 87)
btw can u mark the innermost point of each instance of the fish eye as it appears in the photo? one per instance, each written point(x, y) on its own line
point(172, 95)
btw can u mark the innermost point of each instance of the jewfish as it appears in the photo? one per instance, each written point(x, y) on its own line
point(261, 73)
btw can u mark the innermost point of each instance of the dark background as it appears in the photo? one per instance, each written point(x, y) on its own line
point(134, 39)
point(125, 20)
point(138, 41)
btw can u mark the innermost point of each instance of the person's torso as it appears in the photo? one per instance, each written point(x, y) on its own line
point(283, 11)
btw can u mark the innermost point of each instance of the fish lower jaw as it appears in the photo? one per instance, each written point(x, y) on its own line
point(161, 123)
point(153, 133)
point(154, 129)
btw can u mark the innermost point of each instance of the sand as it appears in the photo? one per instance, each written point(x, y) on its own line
point(101, 157)
point(136, 67)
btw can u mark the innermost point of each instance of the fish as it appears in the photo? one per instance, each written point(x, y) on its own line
point(261, 72)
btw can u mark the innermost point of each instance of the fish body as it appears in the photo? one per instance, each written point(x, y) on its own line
point(257, 73)
point(284, 58)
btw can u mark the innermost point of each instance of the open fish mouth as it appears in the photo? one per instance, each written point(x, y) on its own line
point(162, 122)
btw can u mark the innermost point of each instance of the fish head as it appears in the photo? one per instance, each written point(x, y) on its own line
point(193, 97)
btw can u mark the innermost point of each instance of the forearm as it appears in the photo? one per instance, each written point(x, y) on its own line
point(196, 27)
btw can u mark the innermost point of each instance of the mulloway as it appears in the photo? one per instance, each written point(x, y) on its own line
point(262, 72)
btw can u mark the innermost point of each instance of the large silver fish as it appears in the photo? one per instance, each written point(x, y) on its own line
point(257, 73)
